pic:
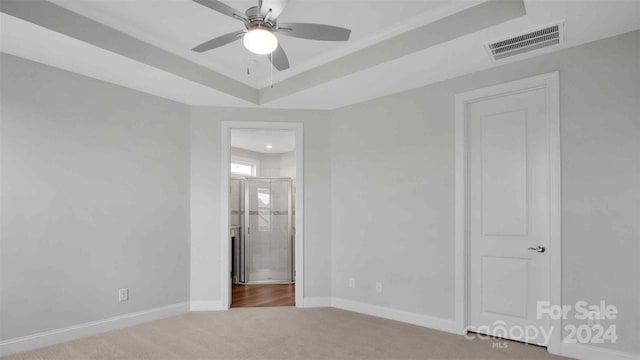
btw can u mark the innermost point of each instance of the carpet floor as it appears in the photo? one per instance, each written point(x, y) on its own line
point(281, 333)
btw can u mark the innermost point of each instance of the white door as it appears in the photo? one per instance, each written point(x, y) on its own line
point(509, 209)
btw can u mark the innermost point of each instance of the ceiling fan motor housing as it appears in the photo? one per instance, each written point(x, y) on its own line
point(258, 20)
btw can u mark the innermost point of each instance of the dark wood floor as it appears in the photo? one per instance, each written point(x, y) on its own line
point(263, 295)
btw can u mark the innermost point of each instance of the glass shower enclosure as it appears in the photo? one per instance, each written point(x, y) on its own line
point(262, 230)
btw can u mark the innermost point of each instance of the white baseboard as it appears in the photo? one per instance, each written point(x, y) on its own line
point(398, 315)
point(204, 305)
point(316, 302)
point(590, 352)
point(57, 336)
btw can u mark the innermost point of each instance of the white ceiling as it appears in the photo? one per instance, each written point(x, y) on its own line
point(258, 140)
point(177, 25)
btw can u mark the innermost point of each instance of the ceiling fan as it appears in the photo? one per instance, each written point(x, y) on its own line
point(261, 24)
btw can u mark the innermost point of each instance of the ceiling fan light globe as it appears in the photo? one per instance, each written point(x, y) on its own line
point(260, 41)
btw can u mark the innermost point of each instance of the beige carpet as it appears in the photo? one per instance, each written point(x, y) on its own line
point(280, 333)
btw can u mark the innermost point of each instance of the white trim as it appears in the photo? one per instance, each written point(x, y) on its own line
point(398, 315)
point(225, 263)
point(555, 204)
point(551, 83)
point(204, 305)
point(69, 333)
point(589, 352)
point(316, 302)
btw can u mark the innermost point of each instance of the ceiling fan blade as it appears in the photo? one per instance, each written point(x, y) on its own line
point(276, 7)
point(279, 59)
point(223, 9)
point(219, 41)
point(314, 31)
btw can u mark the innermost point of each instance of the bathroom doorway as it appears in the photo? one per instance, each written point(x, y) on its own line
point(262, 220)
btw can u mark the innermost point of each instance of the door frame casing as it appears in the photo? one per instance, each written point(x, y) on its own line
point(225, 161)
point(551, 83)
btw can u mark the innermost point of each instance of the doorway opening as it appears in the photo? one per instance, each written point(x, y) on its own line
point(262, 196)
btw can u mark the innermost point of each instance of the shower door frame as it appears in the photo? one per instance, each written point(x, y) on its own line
point(245, 227)
point(225, 181)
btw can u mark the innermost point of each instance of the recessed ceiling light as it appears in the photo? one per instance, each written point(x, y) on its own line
point(269, 147)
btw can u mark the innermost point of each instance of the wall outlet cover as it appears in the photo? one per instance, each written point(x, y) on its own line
point(123, 294)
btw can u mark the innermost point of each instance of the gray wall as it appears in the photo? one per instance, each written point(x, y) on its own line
point(95, 197)
point(392, 186)
point(205, 196)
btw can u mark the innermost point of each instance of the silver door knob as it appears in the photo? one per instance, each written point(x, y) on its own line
point(539, 249)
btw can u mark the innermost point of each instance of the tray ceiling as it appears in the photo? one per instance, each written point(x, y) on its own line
point(179, 25)
point(395, 45)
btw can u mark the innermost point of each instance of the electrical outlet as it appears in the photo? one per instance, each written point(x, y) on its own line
point(379, 287)
point(123, 294)
point(352, 283)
